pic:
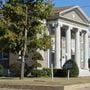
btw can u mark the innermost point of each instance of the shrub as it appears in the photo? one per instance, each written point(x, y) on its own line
point(38, 73)
point(36, 64)
point(72, 66)
point(47, 71)
point(89, 63)
point(15, 69)
point(1, 70)
point(28, 71)
point(59, 73)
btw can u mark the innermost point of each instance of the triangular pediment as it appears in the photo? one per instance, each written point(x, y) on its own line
point(75, 14)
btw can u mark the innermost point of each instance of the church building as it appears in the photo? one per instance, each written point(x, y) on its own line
point(69, 30)
point(70, 39)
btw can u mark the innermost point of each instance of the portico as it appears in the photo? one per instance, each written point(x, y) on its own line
point(77, 32)
point(69, 37)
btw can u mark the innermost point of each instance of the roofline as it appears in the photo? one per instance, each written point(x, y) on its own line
point(74, 8)
point(83, 13)
point(68, 9)
point(55, 18)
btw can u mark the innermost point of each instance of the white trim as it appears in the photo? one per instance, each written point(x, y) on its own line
point(81, 11)
point(72, 26)
point(68, 9)
point(74, 21)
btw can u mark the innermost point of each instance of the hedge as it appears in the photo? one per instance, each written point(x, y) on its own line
point(38, 73)
point(45, 72)
point(1, 70)
point(59, 73)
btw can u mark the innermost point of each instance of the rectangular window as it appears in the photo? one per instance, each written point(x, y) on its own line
point(52, 31)
point(4, 56)
point(52, 58)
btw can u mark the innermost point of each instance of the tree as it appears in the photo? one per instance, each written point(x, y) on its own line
point(21, 28)
point(37, 57)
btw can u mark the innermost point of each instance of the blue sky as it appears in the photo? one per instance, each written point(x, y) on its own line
point(84, 4)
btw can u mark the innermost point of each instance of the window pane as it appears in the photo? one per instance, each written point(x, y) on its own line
point(0, 55)
point(5, 55)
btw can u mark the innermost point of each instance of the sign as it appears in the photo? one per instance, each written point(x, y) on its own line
point(68, 65)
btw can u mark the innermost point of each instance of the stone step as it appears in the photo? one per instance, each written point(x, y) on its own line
point(84, 72)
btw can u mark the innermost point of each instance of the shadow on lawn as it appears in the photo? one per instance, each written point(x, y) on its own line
point(10, 78)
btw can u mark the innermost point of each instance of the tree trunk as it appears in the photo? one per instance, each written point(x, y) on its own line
point(24, 49)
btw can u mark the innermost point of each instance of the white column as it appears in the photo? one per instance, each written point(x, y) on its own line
point(86, 50)
point(48, 58)
point(82, 50)
point(57, 47)
point(68, 43)
point(49, 50)
point(77, 48)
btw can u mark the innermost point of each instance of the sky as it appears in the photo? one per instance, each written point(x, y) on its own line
point(84, 4)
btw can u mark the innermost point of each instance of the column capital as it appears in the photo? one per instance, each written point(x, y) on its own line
point(70, 27)
point(84, 31)
point(76, 30)
point(55, 25)
point(67, 27)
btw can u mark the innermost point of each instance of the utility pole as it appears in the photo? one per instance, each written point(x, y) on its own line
point(24, 49)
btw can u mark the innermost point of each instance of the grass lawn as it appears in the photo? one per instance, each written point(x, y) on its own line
point(44, 81)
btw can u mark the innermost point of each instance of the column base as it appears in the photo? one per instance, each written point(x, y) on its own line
point(57, 67)
point(84, 72)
